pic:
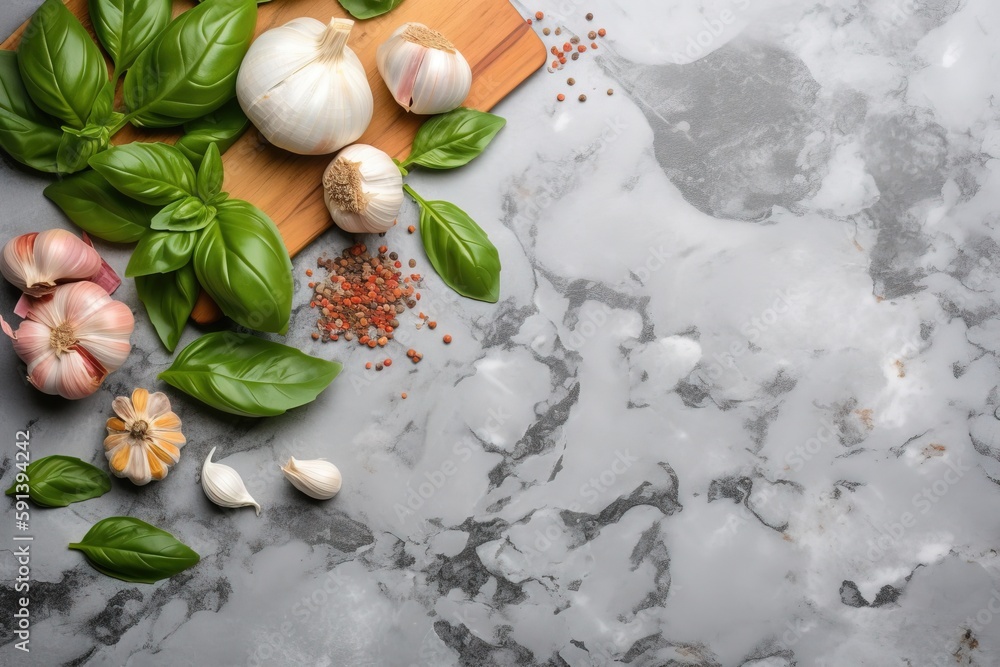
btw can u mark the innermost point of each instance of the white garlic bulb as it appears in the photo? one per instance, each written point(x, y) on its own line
point(318, 478)
point(363, 188)
point(304, 89)
point(224, 486)
point(425, 73)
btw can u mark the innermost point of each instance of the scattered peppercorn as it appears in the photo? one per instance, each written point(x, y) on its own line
point(567, 47)
point(387, 362)
point(611, 91)
point(574, 40)
point(529, 21)
point(403, 395)
point(590, 17)
point(591, 35)
point(583, 98)
point(602, 32)
point(411, 229)
point(432, 324)
point(581, 48)
point(309, 272)
point(594, 45)
point(558, 31)
point(576, 56)
point(546, 31)
point(378, 366)
point(412, 263)
point(539, 15)
point(561, 97)
point(368, 366)
point(570, 81)
point(447, 339)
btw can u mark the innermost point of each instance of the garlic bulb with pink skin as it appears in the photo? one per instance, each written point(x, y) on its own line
point(72, 338)
point(36, 263)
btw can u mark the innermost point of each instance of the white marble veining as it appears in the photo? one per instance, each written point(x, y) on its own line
point(737, 405)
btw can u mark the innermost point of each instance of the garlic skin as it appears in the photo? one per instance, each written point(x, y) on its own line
point(224, 486)
point(425, 73)
point(72, 339)
point(36, 263)
point(304, 89)
point(317, 478)
point(363, 189)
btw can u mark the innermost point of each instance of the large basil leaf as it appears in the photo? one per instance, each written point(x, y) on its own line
point(184, 215)
point(161, 252)
point(453, 139)
point(221, 127)
point(100, 210)
point(152, 173)
point(169, 299)
point(243, 264)
point(132, 550)
point(26, 133)
point(366, 9)
point(126, 27)
point(61, 67)
point(57, 481)
point(459, 250)
point(190, 68)
point(248, 376)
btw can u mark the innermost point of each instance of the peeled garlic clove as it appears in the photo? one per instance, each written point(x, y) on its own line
point(35, 263)
point(363, 188)
point(318, 478)
point(425, 73)
point(304, 89)
point(224, 486)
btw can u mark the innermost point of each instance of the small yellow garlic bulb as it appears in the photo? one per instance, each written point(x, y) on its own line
point(425, 73)
point(363, 189)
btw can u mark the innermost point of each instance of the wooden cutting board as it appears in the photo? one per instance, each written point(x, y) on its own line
point(499, 45)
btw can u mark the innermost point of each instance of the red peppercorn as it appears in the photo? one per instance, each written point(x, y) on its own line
point(539, 15)
point(567, 47)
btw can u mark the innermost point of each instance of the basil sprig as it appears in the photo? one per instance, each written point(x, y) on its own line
point(57, 481)
point(221, 127)
point(458, 248)
point(134, 551)
point(249, 376)
point(366, 9)
point(198, 236)
point(57, 101)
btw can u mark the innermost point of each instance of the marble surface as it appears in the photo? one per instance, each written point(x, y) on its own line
point(737, 405)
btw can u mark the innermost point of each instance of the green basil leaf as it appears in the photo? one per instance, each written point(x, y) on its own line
point(248, 376)
point(126, 27)
point(61, 67)
point(190, 69)
point(169, 299)
point(453, 139)
point(100, 210)
point(77, 147)
point(210, 174)
point(103, 112)
point(366, 9)
point(185, 215)
point(57, 481)
point(27, 134)
point(460, 251)
point(152, 173)
point(243, 264)
point(221, 127)
point(132, 550)
point(161, 252)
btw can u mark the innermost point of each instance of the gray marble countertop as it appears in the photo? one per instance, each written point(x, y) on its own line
point(736, 406)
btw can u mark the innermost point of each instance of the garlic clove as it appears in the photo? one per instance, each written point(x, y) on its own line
point(424, 71)
point(304, 88)
point(35, 263)
point(317, 478)
point(363, 190)
point(224, 486)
